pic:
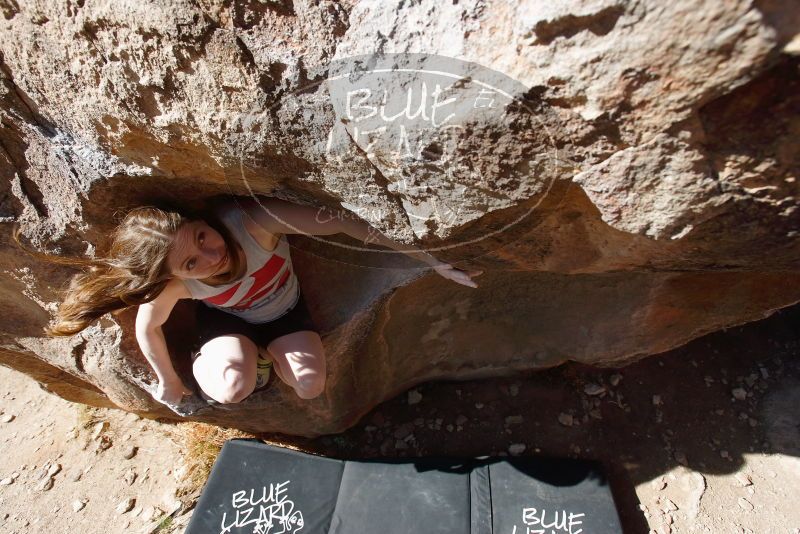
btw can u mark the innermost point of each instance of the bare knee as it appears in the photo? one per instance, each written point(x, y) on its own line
point(300, 357)
point(227, 386)
point(311, 387)
point(234, 389)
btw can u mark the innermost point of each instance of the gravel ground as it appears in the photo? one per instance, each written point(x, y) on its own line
point(66, 467)
point(704, 438)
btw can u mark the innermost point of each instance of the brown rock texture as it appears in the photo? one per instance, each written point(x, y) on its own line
point(636, 189)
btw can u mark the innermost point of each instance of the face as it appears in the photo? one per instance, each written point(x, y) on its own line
point(198, 252)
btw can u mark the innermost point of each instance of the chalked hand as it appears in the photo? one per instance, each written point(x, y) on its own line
point(171, 391)
point(457, 275)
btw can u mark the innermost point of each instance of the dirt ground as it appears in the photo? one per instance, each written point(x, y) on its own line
point(65, 467)
point(705, 438)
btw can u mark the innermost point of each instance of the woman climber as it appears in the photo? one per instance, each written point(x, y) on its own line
point(236, 260)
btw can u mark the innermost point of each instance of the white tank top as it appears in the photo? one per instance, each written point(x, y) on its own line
point(269, 287)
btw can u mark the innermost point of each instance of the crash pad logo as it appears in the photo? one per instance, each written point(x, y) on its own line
point(267, 510)
point(541, 521)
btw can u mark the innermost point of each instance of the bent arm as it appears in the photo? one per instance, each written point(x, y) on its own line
point(154, 348)
point(149, 334)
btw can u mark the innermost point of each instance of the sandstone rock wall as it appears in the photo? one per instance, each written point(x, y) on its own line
point(659, 201)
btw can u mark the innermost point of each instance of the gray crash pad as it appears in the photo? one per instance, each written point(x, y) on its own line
point(262, 489)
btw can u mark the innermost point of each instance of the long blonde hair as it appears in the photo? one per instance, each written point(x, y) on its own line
point(133, 272)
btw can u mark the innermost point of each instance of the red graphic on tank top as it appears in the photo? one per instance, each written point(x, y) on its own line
point(261, 278)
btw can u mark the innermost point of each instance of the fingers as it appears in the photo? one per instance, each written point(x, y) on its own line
point(463, 278)
point(173, 397)
point(457, 275)
point(448, 267)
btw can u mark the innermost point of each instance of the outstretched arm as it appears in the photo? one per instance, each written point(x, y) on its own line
point(281, 217)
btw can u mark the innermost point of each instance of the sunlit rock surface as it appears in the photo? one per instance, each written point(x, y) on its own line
point(636, 187)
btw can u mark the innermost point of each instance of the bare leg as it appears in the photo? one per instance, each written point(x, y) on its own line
point(226, 368)
point(299, 360)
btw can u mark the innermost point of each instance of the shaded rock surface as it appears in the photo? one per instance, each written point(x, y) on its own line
point(642, 190)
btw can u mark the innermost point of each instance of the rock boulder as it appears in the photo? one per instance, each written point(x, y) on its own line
point(634, 188)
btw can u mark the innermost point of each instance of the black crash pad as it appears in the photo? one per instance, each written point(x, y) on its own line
point(262, 489)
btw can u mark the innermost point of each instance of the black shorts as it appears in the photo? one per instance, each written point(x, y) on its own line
point(212, 323)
